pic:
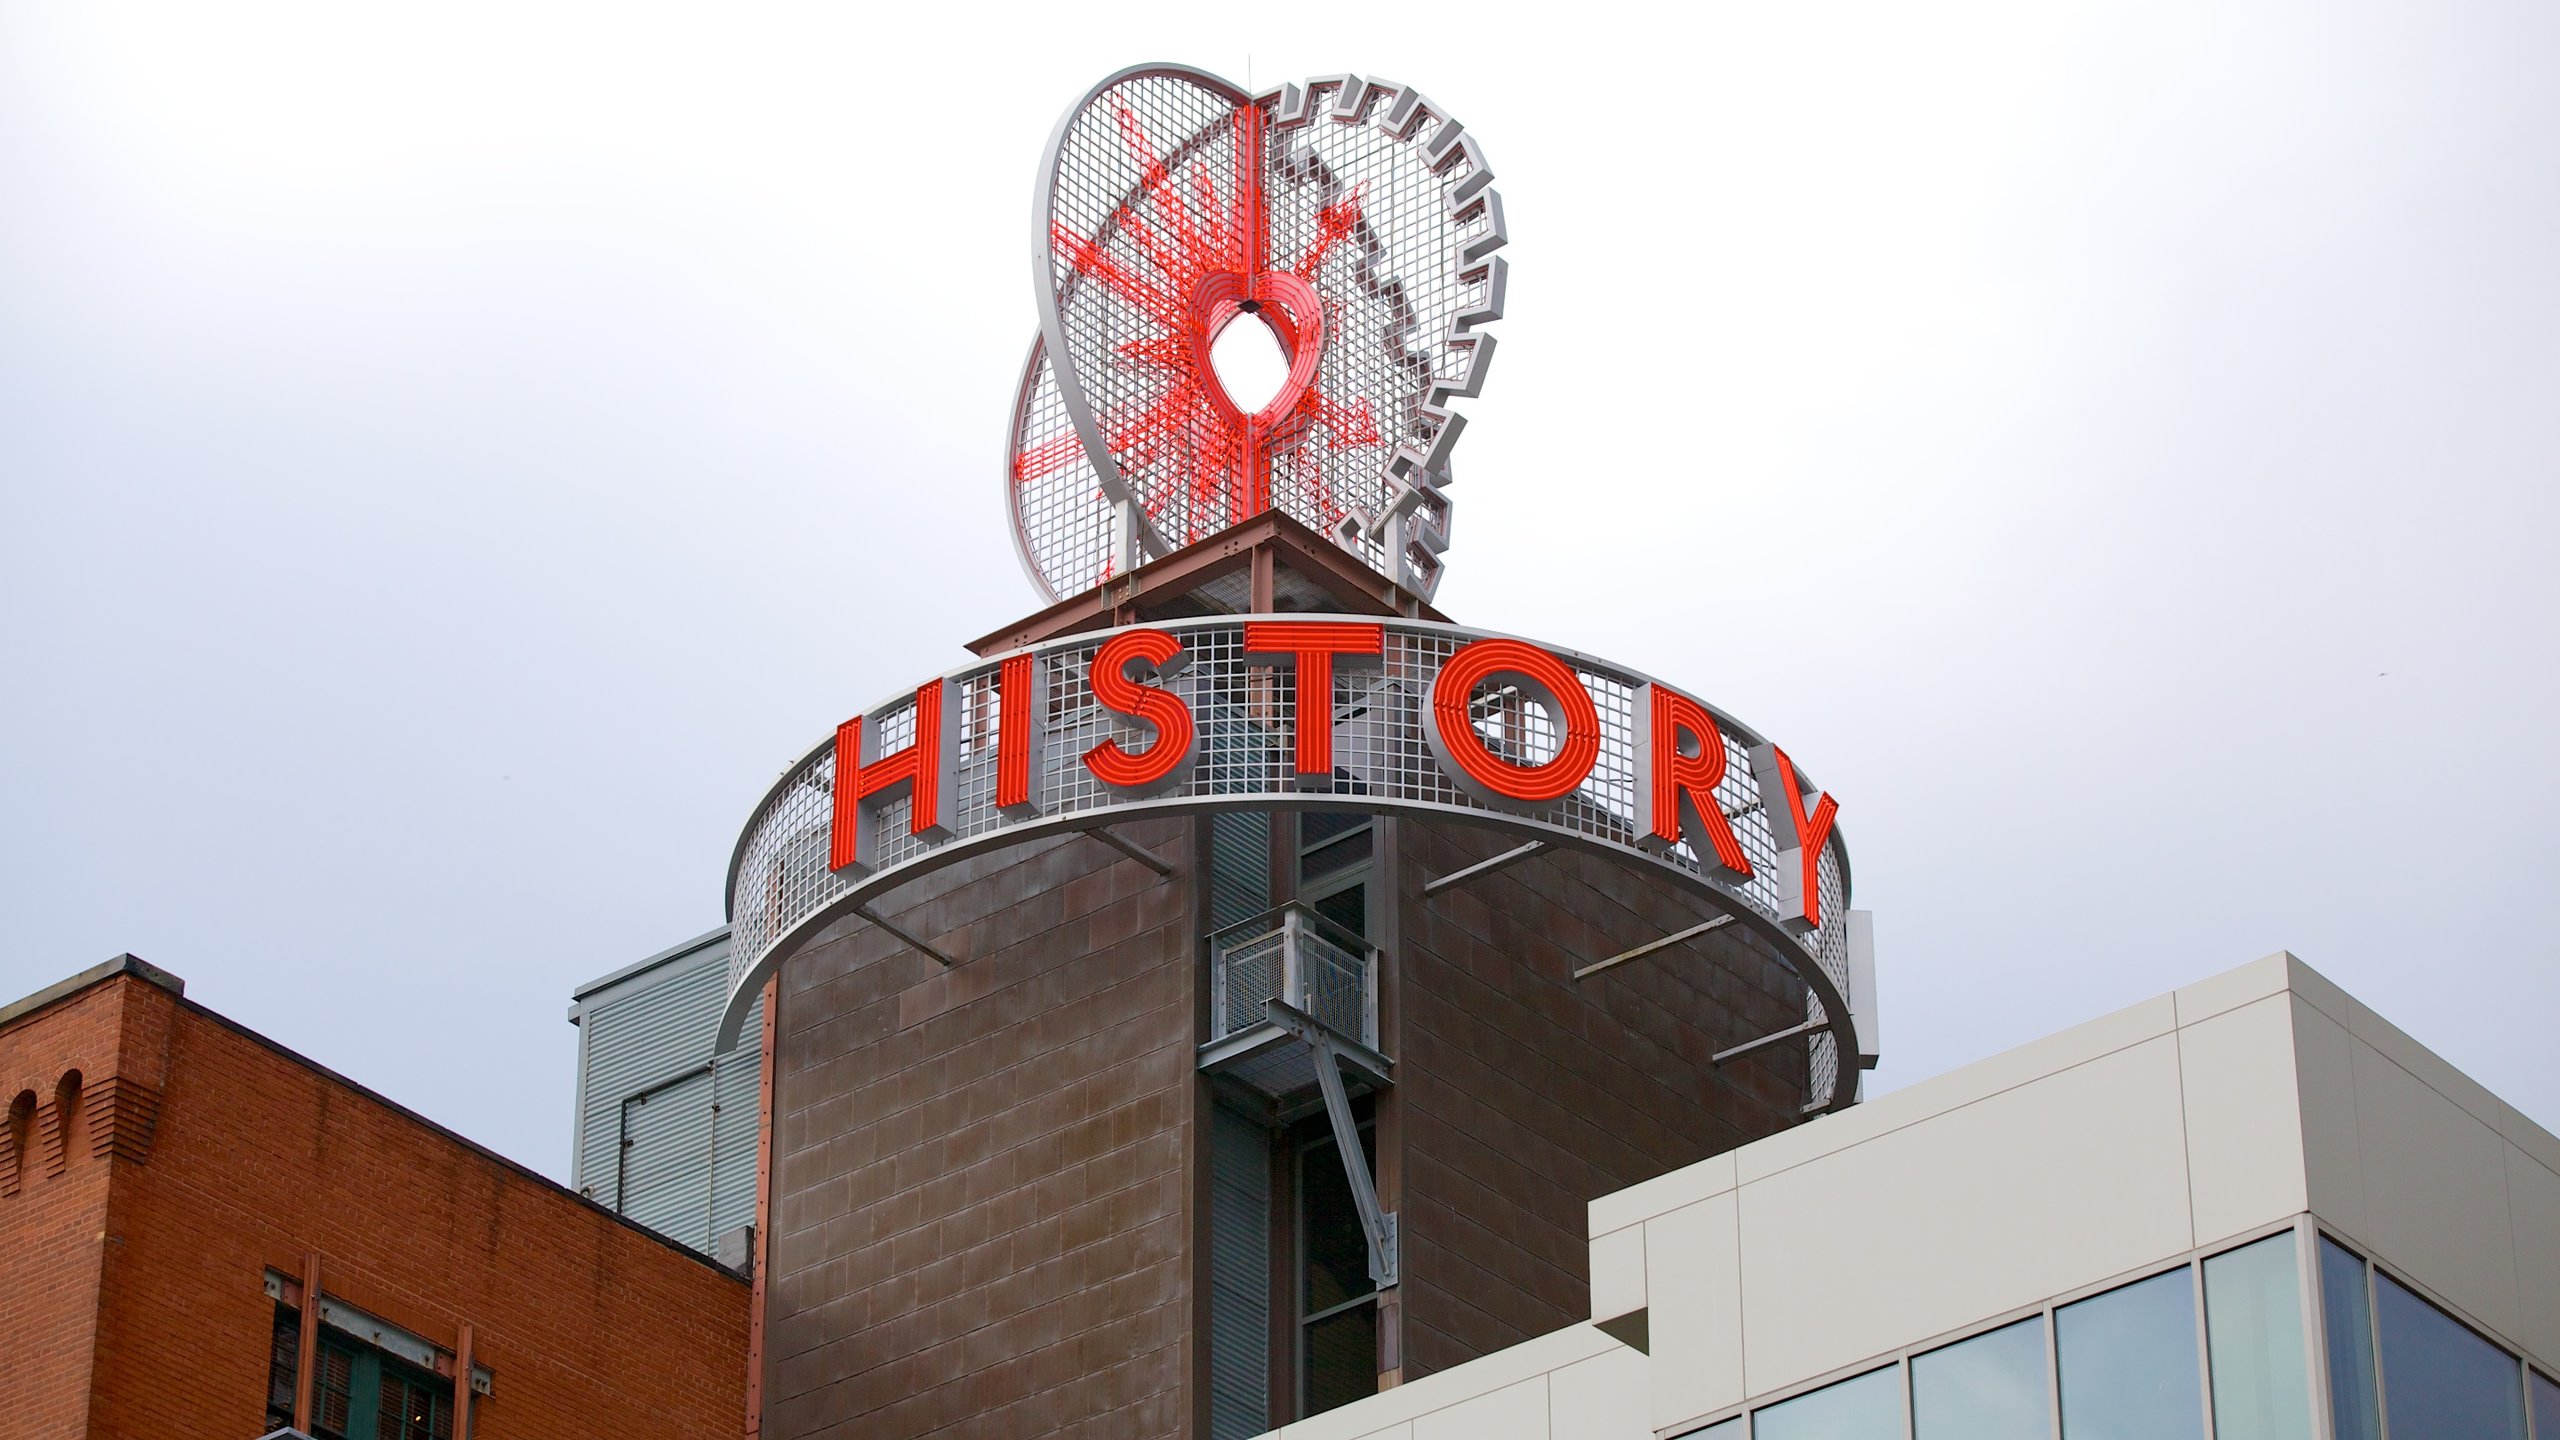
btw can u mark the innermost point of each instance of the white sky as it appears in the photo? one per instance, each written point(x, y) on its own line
point(451, 460)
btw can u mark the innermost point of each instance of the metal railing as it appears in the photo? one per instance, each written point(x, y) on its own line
point(1297, 956)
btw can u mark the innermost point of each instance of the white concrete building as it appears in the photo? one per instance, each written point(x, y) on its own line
point(2249, 1210)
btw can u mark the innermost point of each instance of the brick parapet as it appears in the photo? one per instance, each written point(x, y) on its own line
point(255, 1158)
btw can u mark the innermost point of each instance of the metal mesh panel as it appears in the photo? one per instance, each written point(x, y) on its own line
point(1162, 186)
point(1061, 517)
point(1336, 984)
point(1247, 715)
point(1248, 974)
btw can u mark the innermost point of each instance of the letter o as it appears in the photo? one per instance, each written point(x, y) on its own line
point(1543, 678)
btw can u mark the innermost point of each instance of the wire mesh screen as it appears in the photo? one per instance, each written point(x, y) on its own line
point(1334, 986)
point(1245, 714)
point(1346, 219)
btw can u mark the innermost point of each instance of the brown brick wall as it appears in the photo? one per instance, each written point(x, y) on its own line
point(983, 1194)
point(1521, 1094)
point(256, 1157)
point(52, 1226)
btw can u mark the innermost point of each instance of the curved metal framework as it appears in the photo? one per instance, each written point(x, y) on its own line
point(781, 892)
point(1354, 216)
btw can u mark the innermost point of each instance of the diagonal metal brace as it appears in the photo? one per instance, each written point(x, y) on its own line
point(1754, 1047)
point(1650, 946)
point(885, 923)
point(1507, 858)
point(1131, 849)
point(1378, 1225)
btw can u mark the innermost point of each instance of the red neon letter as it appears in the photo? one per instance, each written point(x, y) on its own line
point(1679, 763)
point(1540, 678)
point(1314, 643)
point(1799, 840)
point(1150, 705)
point(866, 780)
point(1021, 711)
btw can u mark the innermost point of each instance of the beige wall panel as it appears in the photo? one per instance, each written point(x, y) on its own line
point(2211, 996)
point(1997, 1205)
point(2435, 1190)
point(1617, 1273)
point(2533, 1199)
point(1957, 1088)
point(2324, 1061)
point(1514, 1412)
point(2244, 1116)
point(1602, 1398)
point(1693, 1281)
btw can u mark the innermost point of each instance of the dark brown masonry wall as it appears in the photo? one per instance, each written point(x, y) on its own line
point(1522, 1094)
point(984, 1176)
point(986, 1220)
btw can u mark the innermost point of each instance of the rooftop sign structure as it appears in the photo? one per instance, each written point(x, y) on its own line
point(1356, 218)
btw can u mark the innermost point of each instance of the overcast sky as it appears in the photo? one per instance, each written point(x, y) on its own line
point(451, 460)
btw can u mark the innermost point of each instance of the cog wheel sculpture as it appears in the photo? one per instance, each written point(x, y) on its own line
point(1354, 217)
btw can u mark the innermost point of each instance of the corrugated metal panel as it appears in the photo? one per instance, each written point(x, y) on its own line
point(641, 1029)
point(1239, 1276)
point(666, 1159)
point(1239, 867)
point(737, 1076)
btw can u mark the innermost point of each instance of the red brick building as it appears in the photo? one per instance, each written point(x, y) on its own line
point(172, 1184)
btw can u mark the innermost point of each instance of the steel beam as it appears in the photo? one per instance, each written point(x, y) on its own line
point(1130, 849)
point(909, 936)
point(1754, 1047)
point(1650, 946)
point(1481, 868)
point(1378, 1225)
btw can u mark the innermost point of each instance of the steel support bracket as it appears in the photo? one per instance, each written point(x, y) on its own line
point(900, 931)
point(1481, 868)
point(1379, 1225)
point(1650, 946)
point(1753, 1047)
point(1131, 849)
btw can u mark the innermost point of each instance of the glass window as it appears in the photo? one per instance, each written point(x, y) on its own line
point(2546, 1407)
point(1337, 1301)
point(1333, 867)
point(2253, 1341)
point(2128, 1362)
point(1342, 1358)
point(2346, 1319)
point(1866, 1408)
point(1991, 1387)
point(284, 1359)
point(2441, 1381)
point(1721, 1430)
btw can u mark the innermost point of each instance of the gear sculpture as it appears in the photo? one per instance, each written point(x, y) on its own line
point(1355, 217)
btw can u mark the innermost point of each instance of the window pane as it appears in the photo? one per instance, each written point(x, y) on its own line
point(2546, 1408)
point(1991, 1387)
point(1348, 908)
point(1342, 854)
point(284, 1358)
point(1337, 1249)
point(1342, 1358)
point(2253, 1333)
point(2128, 1361)
point(1317, 826)
point(1721, 1430)
point(333, 1394)
point(2439, 1380)
point(1867, 1408)
point(2346, 1319)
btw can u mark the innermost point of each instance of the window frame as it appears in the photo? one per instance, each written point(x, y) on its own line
point(2374, 1272)
point(1302, 1321)
point(2303, 1228)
